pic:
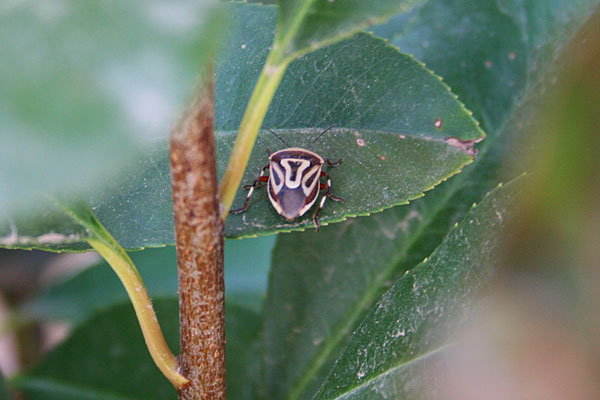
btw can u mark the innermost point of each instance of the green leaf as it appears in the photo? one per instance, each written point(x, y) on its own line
point(97, 288)
point(396, 169)
point(4, 393)
point(372, 94)
point(84, 84)
point(106, 358)
point(243, 328)
point(417, 317)
point(495, 56)
point(44, 227)
point(486, 47)
point(318, 297)
point(306, 25)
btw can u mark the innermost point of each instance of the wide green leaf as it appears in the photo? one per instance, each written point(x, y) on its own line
point(496, 58)
point(488, 47)
point(85, 83)
point(243, 329)
point(392, 119)
point(318, 297)
point(379, 170)
point(106, 357)
point(306, 25)
point(418, 316)
point(97, 288)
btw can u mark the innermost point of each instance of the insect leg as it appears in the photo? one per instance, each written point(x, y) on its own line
point(257, 183)
point(333, 164)
point(326, 195)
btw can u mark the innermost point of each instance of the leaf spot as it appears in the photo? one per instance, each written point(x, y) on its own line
point(512, 55)
point(488, 64)
point(438, 123)
point(465, 145)
point(499, 215)
point(400, 333)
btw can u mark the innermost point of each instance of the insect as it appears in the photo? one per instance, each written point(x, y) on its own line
point(294, 181)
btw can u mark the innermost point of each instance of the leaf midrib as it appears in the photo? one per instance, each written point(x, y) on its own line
point(284, 42)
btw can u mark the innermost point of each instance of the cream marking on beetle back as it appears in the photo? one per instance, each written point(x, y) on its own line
point(307, 206)
point(278, 172)
point(301, 170)
point(311, 174)
point(286, 163)
point(294, 182)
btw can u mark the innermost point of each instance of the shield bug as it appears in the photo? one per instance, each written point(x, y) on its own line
point(294, 181)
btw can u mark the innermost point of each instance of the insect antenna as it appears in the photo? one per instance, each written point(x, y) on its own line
point(277, 136)
point(321, 134)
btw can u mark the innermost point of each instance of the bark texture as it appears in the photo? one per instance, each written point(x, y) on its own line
point(199, 234)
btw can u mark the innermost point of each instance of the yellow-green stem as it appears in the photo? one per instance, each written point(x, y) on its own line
point(123, 266)
point(263, 93)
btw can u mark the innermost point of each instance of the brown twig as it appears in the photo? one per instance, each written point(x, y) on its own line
point(199, 234)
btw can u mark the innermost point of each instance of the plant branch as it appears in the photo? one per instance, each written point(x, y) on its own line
point(108, 247)
point(200, 237)
point(263, 93)
point(155, 341)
